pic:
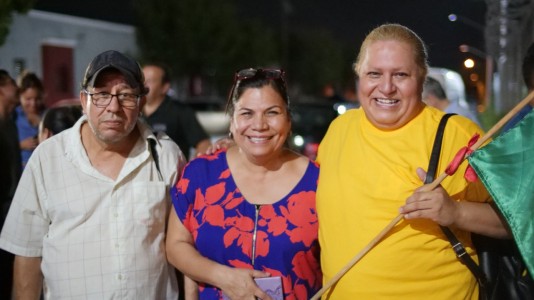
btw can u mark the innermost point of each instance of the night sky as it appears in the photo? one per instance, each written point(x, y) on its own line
point(348, 20)
point(351, 20)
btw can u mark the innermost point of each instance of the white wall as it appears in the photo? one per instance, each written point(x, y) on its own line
point(87, 38)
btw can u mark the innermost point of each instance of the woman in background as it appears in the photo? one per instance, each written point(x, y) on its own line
point(28, 114)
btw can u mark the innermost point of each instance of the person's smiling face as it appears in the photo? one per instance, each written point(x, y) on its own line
point(390, 84)
point(30, 100)
point(260, 123)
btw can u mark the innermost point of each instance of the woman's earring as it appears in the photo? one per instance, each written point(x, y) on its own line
point(230, 135)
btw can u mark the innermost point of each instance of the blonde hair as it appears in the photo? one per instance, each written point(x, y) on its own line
point(398, 33)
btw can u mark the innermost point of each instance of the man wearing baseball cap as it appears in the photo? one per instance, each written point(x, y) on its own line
point(88, 217)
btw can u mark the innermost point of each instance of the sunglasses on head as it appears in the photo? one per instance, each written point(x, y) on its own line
point(266, 73)
point(249, 73)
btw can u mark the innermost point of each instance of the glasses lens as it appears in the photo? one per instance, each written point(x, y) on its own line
point(128, 100)
point(246, 73)
point(267, 73)
point(101, 99)
point(273, 73)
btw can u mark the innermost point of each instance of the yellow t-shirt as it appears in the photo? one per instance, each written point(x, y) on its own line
point(366, 174)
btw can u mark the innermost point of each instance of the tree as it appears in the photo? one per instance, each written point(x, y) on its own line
point(7, 7)
point(202, 38)
point(316, 58)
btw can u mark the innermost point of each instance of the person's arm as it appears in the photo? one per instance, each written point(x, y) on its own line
point(190, 289)
point(181, 253)
point(29, 143)
point(27, 278)
point(438, 206)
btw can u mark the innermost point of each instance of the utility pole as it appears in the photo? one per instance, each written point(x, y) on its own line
point(508, 33)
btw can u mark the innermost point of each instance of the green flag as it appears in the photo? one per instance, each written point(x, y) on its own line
point(506, 167)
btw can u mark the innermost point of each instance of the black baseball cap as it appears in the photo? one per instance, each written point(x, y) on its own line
point(116, 60)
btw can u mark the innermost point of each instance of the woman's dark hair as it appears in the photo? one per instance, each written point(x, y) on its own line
point(57, 119)
point(5, 79)
point(30, 80)
point(260, 78)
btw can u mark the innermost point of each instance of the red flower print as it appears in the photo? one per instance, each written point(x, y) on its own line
point(225, 174)
point(240, 231)
point(301, 213)
point(304, 234)
point(214, 215)
point(241, 222)
point(230, 202)
point(300, 292)
point(236, 263)
point(243, 240)
point(301, 208)
point(215, 192)
point(275, 224)
point(262, 243)
point(182, 185)
point(230, 236)
point(290, 297)
point(199, 200)
point(267, 212)
point(310, 271)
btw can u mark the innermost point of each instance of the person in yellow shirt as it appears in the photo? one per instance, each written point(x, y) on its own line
point(372, 163)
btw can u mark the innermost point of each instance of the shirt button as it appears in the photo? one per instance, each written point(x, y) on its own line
point(119, 276)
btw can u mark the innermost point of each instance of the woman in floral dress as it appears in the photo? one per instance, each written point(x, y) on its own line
point(248, 212)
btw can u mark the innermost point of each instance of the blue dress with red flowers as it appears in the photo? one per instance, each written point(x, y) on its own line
point(222, 223)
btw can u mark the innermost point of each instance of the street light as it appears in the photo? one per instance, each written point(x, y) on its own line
point(467, 21)
point(489, 68)
point(469, 63)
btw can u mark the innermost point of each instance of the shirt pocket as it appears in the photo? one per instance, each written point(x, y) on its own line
point(150, 204)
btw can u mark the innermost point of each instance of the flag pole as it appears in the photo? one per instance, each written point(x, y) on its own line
point(426, 188)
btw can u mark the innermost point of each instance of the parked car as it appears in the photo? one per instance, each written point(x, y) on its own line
point(310, 123)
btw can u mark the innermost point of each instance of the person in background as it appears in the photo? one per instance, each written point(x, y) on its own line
point(90, 211)
point(434, 95)
point(230, 224)
point(10, 169)
point(29, 113)
point(528, 78)
point(57, 119)
point(173, 117)
point(371, 162)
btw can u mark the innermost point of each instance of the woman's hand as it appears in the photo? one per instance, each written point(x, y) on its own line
point(239, 284)
point(28, 143)
point(223, 143)
point(435, 205)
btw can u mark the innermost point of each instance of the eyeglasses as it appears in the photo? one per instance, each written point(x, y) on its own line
point(267, 73)
point(103, 99)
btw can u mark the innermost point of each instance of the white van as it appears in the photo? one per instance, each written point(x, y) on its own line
point(452, 83)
